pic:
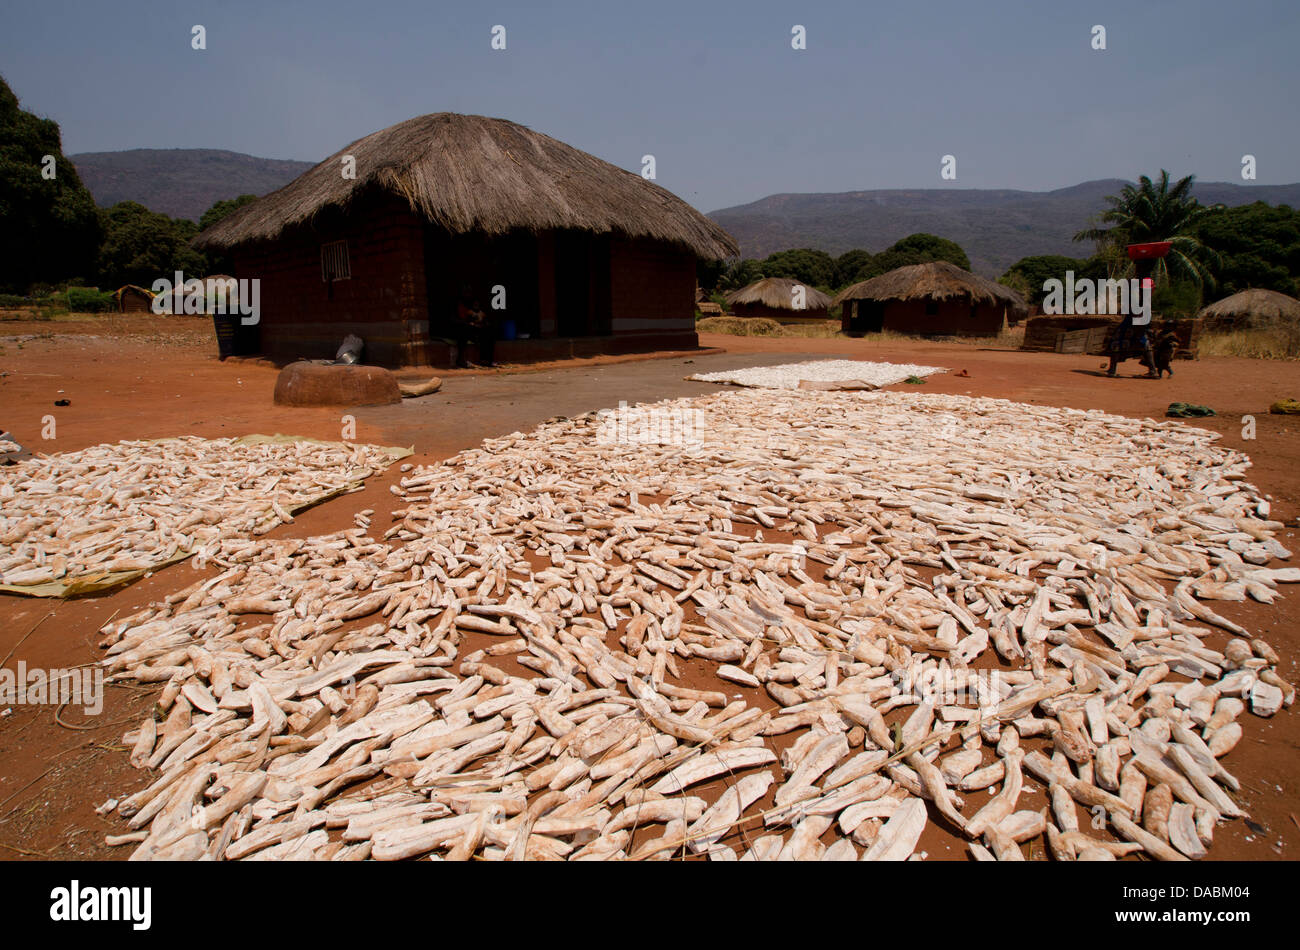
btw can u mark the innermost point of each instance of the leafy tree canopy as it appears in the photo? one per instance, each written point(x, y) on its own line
point(1158, 211)
point(141, 246)
point(1027, 275)
point(222, 209)
point(1258, 246)
point(741, 273)
point(48, 226)
point(921, 248)
point(808, 266)
point(852, 266)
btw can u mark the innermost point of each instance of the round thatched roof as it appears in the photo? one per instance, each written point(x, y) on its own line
point(777, 292)
point(937, 280)
point(471, 173)
point(1252, 308)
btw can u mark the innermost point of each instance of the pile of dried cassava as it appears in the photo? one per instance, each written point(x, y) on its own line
point(506, 673)
point(790, 375)
point(82, 521)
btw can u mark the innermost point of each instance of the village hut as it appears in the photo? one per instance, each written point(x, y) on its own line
point(1251, 310)
point(568, 254)
point(934, 299)
point(132, 299)
point(781, 299)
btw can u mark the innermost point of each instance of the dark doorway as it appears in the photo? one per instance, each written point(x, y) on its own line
point(582, 284)
point(501, 270)
point(868, 316)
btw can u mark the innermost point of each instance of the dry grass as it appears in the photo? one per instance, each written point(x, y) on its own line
point(740, 326)
point(765, 326)
point(1010, 338)
point(1281, 343)
point(831, 328)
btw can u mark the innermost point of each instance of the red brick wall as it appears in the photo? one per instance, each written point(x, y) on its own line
point(651, 289)
point(953, 319)
point(302, 316)
point(652, 292)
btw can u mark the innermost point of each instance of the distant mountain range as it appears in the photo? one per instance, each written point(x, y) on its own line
point(181, 182)
point(995, 227)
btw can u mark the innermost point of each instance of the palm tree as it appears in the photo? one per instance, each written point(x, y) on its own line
point(1157, 211)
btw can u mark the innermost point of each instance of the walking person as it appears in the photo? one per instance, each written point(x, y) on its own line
point(1127, 339)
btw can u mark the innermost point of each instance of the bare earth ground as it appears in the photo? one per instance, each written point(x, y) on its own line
point(145, 377)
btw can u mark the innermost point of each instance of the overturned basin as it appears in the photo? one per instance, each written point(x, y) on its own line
point(316, 384)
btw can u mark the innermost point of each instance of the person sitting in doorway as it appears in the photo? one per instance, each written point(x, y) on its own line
point(473, 323)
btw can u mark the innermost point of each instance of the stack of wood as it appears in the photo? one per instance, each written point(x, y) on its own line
point(1092, 334)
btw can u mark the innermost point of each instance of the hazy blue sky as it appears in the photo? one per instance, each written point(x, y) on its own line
point(713, 90)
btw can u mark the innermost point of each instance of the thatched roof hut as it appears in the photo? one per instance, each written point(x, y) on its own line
point(936, 280)
point(473, 174)
point(771, 296)
point(936, 298)
point(557, 245)
point(1251, 309)
point(130, 298)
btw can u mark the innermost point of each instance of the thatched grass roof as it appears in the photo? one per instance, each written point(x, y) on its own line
point(777, 292)
point(1253, 308)
point(937, 280)
point(471, 173)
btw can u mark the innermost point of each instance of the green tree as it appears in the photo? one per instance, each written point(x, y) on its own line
point(741, 273)
point(919, 248)
point(1157, 211)
point(1027, 275)
point(851, 267)
point(222, 209)
point(48, 226)
point(1258, 246)
point(804, 264)
point(141, 246)
point(708, 273)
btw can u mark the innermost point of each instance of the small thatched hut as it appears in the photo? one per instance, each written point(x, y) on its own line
point(570, 254)
point(776, 298)
point(935, 299)
point(132, 299)
point(1251, 310)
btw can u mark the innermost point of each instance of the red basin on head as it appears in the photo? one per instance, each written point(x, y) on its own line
point(1138, 252)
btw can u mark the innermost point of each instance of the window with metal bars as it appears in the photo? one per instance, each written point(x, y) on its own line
point(334, 263)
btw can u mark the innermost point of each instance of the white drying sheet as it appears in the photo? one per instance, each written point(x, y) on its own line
point(788, 375)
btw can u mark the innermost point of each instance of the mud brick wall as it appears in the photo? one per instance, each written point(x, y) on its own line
point(383, 302)
point(652, 296)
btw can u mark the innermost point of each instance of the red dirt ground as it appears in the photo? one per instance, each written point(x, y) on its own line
point(134, 378)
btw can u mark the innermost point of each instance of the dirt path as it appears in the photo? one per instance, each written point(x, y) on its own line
point(152, 379)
